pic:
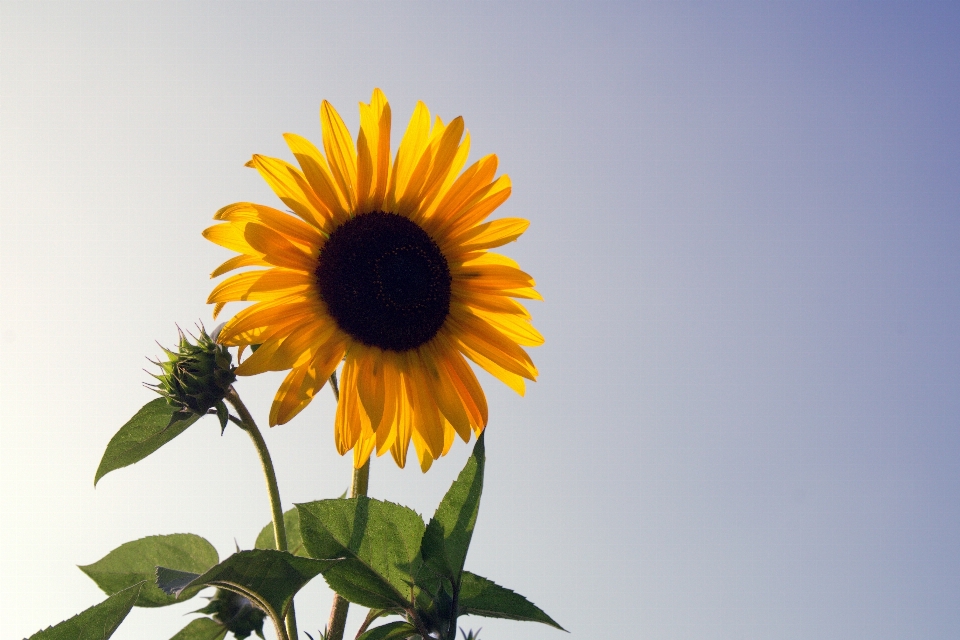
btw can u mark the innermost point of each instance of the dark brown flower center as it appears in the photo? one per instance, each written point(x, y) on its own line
point(385, 281)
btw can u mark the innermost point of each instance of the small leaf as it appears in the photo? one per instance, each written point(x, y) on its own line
point(447, 536)
point(291, 523)
point(267, 578)
point(482, 597)
point(201, 629)
point(96, 623)
point(136, 561)
point(379, 542)
point(398, 630)
point(154, 425)
point(223, 415)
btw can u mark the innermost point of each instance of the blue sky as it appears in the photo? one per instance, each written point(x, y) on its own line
point(744, 225)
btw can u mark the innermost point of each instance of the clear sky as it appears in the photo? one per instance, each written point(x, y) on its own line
point(744, 225)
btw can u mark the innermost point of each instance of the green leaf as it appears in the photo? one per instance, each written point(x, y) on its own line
point(137, 561)
point(202, 629)
point(379, 542)
point(482, 597)
point(291, 522)
point(447, 536)
point(156, 424)
point(267, 578)
point(96, 623)
point(398, 630)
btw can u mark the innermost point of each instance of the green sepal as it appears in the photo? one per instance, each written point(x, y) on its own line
point(223, 415)
point(202, 629)
point(135, 562)
point(291, 524)
point(397, 630)
point(96, 623)
point(154, 425)
point(482, 597)
point(378, 541)
point(269, 579)
point(446, 539)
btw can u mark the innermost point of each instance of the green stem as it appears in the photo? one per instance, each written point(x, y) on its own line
point(361, 482)
point(276, 509)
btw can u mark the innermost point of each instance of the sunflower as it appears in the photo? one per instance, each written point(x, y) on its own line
point(384, 266)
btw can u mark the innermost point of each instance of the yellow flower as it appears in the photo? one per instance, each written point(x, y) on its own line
point(385, 266)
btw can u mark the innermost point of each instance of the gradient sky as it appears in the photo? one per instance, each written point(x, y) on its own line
point(744, 225)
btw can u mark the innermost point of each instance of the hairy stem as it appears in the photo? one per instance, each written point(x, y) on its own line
point(248, 424)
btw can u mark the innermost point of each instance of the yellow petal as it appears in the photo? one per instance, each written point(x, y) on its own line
point(373, 153)
point(428, 422)
point(405, 415)
point(261, 285)
point(296, 230)
point(341, 153)
point(488, 301)
point(481, 207)
point(318, 175)
point(370, 385)
point(443, 159)
point(465, 381)
point(408, 155)
point(277, 250)
point(444, 392)
point(230, 236)
point(509, 378)
point(238, 262)
point(408, 200)
point(424, 455)
point(293, 189)
point(273, 313)
point(386, 432)
point(477, 335)
point(471, 185)
point(456, 166)
point(517, 329)
point(487, 235)
point(302, 383)
point(347, 420)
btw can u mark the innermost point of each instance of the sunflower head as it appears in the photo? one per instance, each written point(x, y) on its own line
point(195, 377)
point(383, 264)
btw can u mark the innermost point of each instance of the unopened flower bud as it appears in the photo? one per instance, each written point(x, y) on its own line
point(236, 613)
point(196, 376)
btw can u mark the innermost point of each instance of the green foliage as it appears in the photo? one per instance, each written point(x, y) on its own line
point(398, 630)
point(391, 562)
point(201, 629)
point(153, 426)
point(447, 537)
point(96, 623)
point(482, 597)
point(377, 541)
point(136, 562)
point(291, 523)
point(269, 579)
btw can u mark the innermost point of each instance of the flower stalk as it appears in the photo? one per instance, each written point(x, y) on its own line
point(248, 424)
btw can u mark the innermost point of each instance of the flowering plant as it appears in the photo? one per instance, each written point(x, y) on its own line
point(381, 271)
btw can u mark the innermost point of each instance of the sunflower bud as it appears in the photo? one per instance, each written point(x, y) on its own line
point(236, 613)
point(196, 376)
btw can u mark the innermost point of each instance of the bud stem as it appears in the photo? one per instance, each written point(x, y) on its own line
point(248, 424)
